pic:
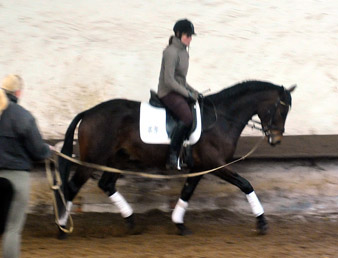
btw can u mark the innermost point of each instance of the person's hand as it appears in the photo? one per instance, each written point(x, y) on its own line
point(200, 96)
point(52, 148)
point(193, 95)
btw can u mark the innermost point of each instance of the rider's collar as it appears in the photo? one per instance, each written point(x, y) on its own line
point(178, 43)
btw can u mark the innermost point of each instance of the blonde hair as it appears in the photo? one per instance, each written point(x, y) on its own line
point(12, 83)
point(3, 101)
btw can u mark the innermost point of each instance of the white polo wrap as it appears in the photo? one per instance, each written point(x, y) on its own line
point(255, 204)
point(121, 204)
point(179, 211)
point(64, 218)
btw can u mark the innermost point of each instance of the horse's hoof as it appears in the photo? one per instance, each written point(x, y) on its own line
point(131, 228)
point(130, 221)
point(62, 235)
point(183, 230)
point(262, 225)
point(134, 231)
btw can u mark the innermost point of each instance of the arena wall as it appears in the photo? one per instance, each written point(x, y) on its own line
point(74, 55)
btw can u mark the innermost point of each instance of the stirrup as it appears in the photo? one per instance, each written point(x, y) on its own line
point(171, 166)
point(177, 166)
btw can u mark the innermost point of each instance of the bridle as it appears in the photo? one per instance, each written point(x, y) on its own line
point(270, 127)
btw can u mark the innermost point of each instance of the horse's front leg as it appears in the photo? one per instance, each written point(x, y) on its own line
point(182, 205)
point(246, 187)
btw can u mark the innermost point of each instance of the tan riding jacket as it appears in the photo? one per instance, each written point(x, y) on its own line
point(174, 69)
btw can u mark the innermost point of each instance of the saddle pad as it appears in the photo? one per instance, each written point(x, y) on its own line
point(153, 125)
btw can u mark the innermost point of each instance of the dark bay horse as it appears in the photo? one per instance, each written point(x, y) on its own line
point(109, 135)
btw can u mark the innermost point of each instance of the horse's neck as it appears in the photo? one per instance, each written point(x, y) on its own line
point(238, 112)
point(244, 108)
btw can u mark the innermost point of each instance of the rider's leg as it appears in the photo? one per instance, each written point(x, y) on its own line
point(179, 135)
point(179, 106)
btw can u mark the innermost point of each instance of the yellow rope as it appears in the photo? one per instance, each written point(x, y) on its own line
point(147, 175)
point(56, 187)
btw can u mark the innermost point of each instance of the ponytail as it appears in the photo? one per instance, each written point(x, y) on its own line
point(171, 40)
point(3, 101)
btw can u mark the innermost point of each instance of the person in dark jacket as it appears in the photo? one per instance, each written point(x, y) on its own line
point(20, 145)
point(173, 89)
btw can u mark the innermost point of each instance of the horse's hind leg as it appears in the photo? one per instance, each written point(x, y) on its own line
point(107, 183)
point(246, 187)
point(79, 178)
point(182, 205)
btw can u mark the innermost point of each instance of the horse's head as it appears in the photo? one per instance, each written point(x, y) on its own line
point(273, 113)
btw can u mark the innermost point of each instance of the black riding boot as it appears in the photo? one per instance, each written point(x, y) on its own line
point(179, 135)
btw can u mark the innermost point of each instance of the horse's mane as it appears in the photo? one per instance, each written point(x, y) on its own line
point(246, 87)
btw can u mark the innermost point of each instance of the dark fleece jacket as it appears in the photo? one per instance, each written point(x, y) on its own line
point(20, 140)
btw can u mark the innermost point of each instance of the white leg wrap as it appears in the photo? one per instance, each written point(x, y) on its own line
point(121, 204)
point(256, 206)
point(64, 218)
point(179, 211)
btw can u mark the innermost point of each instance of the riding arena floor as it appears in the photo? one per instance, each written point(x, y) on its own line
point(215, 234)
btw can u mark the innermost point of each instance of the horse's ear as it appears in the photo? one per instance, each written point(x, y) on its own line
point(292, 88)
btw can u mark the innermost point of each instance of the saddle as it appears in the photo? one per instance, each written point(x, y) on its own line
point(157, 124)
point(171, 121)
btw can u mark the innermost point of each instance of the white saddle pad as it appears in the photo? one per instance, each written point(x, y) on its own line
point(153, 125)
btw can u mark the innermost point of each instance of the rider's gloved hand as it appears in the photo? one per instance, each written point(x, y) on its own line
point(193, 95)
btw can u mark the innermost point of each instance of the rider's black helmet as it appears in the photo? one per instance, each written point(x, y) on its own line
point(184, 26)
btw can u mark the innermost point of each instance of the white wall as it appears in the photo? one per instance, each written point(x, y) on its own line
point(75, 54)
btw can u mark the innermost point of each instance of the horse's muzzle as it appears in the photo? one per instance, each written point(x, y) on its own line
point(274, 137)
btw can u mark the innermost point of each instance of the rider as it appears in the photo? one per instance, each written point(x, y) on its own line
point(173, 89)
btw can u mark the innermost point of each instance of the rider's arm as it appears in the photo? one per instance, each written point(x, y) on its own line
point(170, 59)
point(191, 89)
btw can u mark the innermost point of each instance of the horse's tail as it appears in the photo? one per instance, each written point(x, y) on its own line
point(67, 149)
point(65, 165)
